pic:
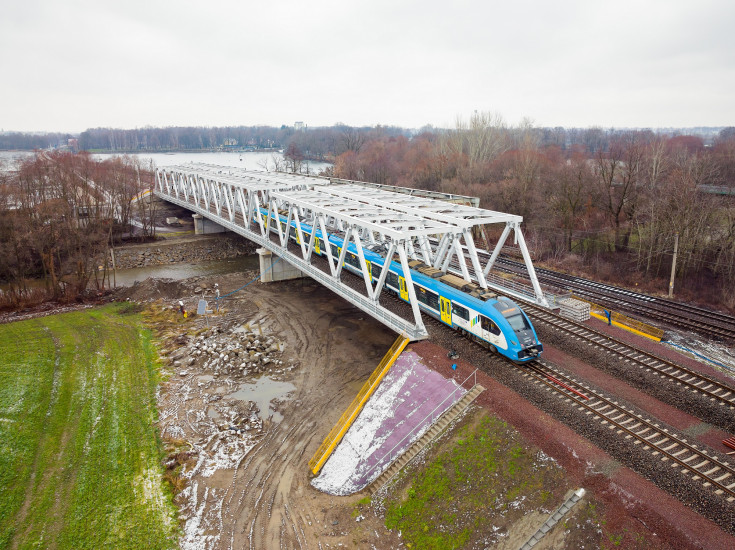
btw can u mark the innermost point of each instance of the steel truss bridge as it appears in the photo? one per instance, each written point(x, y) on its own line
point(413, 228)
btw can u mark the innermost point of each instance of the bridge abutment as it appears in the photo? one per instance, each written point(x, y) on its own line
point(205, 226)
point(272, 269)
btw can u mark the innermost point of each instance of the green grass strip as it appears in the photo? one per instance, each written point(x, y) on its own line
point(79, 453)
point(485, 477)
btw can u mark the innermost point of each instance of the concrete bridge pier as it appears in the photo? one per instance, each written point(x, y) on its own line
point(272, 270)
point(205, 226)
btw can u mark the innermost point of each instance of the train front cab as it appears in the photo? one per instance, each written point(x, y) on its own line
point(524, 334)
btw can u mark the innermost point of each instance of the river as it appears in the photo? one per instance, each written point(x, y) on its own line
point(128, 277)
point(251, 160)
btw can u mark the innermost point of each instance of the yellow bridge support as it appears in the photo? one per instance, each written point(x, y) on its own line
point(348, 417)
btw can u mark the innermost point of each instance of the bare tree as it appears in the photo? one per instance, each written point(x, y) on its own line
point(618, 178)
point(569, 194)
point(352, 139)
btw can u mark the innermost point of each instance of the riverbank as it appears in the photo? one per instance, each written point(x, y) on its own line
point(184, 249)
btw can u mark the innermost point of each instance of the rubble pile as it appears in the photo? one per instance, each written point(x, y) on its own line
point(230, 352)
point(208, 364)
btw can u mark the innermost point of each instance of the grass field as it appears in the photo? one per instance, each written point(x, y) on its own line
point(80, 462)
point(473, 490)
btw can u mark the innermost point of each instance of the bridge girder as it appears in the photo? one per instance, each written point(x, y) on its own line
point(405, 225)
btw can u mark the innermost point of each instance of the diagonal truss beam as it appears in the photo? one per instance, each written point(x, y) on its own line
point(407, 224)
point(257, 226)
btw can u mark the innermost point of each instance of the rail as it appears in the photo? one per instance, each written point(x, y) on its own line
point(659, 440)
point(345, 421)
point(434, 417)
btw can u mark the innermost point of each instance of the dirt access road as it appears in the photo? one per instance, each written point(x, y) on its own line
point(252, 490)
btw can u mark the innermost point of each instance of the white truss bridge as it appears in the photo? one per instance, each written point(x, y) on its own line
point(413, 228)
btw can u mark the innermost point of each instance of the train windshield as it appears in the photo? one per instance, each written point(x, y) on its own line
point(518, 322)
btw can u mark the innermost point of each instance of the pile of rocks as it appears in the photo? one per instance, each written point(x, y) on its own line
point(234, 352)
point(242, 422)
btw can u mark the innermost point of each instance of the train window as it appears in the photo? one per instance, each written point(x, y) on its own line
point(353, 260)
point(335, 251)
point(420, 293)
point(489, 325)
point(391, 280)
point(518, 322)
point(376, 270)
point(427, 297)
point(460, 312)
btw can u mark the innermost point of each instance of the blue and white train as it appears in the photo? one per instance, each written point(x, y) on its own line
point(494, 321)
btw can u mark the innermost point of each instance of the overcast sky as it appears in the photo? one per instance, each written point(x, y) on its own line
point(75, 64)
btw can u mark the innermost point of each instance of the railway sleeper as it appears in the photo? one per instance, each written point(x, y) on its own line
point(703, 463)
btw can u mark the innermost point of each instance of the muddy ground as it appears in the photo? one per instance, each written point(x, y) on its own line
point(251, 489)
point(242, 466)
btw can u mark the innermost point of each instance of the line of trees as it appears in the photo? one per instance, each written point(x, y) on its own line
point(60, 213)
point(21, 141)
point(613, 200)
point(609, 201)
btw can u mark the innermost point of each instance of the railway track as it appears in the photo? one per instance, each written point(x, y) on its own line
point(703, 321)
point(689, 459)
point(707, 322)
point(692, 472)
point(714, 390)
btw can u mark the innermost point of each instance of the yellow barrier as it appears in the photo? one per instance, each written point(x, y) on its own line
point(622, 321)
point(348, 417)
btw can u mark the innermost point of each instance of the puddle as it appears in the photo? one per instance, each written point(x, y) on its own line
point(213, 414)
point(263, 391)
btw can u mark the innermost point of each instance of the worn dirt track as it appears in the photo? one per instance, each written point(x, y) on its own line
point(269, 502)
point(266, 501)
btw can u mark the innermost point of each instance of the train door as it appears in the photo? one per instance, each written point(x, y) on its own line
point(445, 305)
point(404, 289)
point(316, 246)
point(369, 270)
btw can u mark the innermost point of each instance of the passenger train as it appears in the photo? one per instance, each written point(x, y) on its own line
point(494, 321)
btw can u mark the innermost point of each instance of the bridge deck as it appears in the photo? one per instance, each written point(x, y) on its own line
point(410, 227)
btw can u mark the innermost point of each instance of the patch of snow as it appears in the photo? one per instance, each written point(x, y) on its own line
point(717, 352)
point(517, 502)
point(391, 421)
point(360, 440)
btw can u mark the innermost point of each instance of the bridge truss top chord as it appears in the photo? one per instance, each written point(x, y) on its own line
point(391, 224)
